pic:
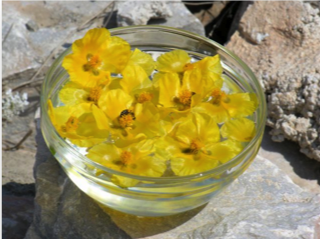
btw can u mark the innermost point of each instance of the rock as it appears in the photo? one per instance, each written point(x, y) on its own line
point(206, 16)
point(183, 19)
point(139, 13)
point(173, 14)
point(283, 49)
point(17, 209)
point(32, 26)
point(272, 206)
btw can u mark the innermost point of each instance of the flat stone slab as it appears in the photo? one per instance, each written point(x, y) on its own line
point(261, 203)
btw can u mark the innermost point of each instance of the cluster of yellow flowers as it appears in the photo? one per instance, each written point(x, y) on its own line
point(149, 117)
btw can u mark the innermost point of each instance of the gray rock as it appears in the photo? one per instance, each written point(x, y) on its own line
point(183, 19)
point(17, 209)
point(284, 55)
point(139, 13)
point(172, 14)
point(262, 203)
point(32, 26)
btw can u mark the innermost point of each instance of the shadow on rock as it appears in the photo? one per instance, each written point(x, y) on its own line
point(303, 166)
point(141, 227)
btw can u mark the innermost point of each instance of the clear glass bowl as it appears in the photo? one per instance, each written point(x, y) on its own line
point(155, 196)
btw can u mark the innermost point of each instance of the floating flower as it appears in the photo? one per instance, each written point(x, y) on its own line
point(114, 110)
point(77, 124)
point(72, 93)
point(199, 146)
point(137, 159)
point(95, 56)
point(241, 129)
point(222, 106)
point(181, 97)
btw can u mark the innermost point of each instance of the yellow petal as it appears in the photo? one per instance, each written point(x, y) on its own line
point(116, 56)
point(241, 129)
point(73, 93)
point(169, 87)
point(217, 112)
point(184, 165)
point(186, 131)
point(173, 61)
point(101, 119)
point(93, 41)
point(113, 102)
point(210, 63)
point(240, 105)
point(224, 151)
point(207, 128)
point(124, 182)
point(134, 77)
point(142, 59)
point(105, 154)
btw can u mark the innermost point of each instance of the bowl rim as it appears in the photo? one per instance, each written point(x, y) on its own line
point(116, 31)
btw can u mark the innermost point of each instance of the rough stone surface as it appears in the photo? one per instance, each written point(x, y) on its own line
point(206, 16)
point(283, 50)
point(272, 206)
point(17, 209)
point(177, 15)
point(139, 13)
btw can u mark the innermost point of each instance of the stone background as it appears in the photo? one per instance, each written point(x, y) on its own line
point(282, 48)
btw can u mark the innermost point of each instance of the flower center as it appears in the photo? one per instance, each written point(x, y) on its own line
point(95, 94)
point(125, 157)
point(144, 97)
point(126, 118)
point(93, 64)
point(194, 147)
point(188, 66)
point(217, 96)
point(184, 98)
point(71, 125)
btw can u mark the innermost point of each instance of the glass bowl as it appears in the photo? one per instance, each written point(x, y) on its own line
point(154, 196)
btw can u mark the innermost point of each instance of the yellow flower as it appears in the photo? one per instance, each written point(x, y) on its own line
point(198, 146)
point(95, 55)
point(173, 61)
point(72, 93)
point(176, 96)
point(114, 110)
point(137, 159)
point(242, 130)
point(76, 124)
point(223, 106)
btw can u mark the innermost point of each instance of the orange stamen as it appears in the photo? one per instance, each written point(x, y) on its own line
point(185, 97)
point(95, 94)
point(144, 97)
point(126, 119)
point(93, 64)
point(125, 158)
point(72, 124)
point(218, 95)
